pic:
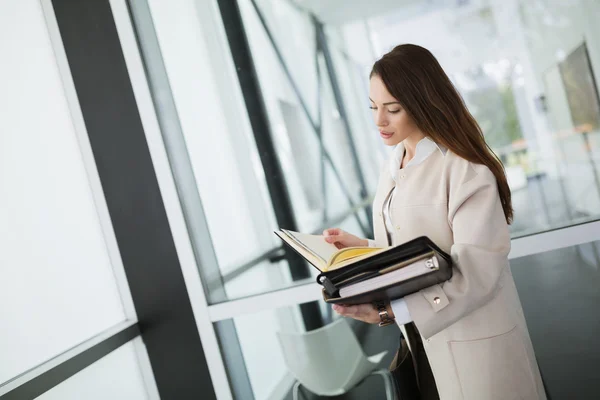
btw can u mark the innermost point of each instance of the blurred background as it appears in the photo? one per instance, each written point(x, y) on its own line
point(253, 115)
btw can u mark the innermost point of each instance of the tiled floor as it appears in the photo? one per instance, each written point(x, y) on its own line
point(560, 293)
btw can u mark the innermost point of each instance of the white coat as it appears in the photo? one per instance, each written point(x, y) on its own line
point(473, 328)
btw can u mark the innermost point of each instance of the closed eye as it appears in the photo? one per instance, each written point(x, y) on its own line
point(390, 111)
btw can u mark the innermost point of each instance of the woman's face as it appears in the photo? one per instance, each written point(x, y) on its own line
point(393, 121)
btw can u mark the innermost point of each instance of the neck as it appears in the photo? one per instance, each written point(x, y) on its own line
point(410, 146)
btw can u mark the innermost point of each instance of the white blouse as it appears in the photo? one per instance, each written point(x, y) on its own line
point(424, 149)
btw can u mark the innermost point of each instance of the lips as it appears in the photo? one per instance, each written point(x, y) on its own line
point(386, 135)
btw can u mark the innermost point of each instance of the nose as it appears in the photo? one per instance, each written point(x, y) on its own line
point(380, 119)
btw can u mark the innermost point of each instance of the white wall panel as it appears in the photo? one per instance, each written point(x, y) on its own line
point(57, 286)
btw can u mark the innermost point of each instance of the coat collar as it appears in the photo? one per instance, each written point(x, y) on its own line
point(424, 149)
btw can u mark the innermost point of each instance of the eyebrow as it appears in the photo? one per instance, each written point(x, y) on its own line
point(388, 103)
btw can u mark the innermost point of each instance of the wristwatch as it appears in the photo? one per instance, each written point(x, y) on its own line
point(384, 317)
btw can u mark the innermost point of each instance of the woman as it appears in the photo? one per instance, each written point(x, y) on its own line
point(444, 182)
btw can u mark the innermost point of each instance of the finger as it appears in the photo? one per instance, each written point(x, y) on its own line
point(332, 238)
point(331, 231)
point(362, 312)
point(341, 309)
point(338, 308)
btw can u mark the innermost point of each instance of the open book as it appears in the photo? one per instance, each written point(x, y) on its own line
point(324, 256)
point(356, 275)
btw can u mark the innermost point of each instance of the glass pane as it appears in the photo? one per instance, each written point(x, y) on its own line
point(559, 293)
point(321, 178)
point(225, 161)
point(265, 277)
point(273, 272)
point(121, 368)
point(261, 368)
point(353, 78)
point(528, 74)
point(304, 112)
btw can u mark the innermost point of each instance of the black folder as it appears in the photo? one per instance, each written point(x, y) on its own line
point(389, 275)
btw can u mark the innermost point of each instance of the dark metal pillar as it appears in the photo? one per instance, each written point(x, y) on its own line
point(134, 200)
point(339, 100)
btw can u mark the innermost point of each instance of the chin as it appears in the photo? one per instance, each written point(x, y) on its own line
point(391, 141)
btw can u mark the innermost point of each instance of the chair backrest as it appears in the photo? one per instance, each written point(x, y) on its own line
point(328, 360)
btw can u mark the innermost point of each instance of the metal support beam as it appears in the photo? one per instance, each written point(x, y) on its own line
point(320, 132)
point(50, 374)
point(177, 151)
point(257, 113)
point(337, 93)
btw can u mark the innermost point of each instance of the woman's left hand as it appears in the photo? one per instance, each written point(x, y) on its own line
point(362, 312)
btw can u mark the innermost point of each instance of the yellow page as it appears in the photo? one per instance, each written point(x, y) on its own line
point(349, 252)
point(325, 256)
point(351, 255)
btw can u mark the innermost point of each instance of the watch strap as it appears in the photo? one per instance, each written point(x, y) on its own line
point(384, 317)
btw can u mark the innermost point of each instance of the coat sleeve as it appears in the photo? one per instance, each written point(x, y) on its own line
point(479, 253)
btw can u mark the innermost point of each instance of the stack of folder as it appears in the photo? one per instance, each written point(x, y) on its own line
point(357, 275)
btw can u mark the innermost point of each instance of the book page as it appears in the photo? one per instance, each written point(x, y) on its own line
point(352, 255)
point(316, 244)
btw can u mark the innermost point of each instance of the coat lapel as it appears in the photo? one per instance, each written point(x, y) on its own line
point(386, 184)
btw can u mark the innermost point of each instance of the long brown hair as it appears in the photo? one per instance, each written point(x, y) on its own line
point(415, 78)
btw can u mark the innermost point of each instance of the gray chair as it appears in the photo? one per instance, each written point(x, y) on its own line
point(329, 361)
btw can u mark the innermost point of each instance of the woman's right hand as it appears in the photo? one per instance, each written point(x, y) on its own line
point(342, 239)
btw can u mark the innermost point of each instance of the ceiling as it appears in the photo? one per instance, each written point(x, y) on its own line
point(338, 12)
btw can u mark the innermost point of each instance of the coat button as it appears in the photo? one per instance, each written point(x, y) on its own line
point(436, 300)
point(402, 176)
point(398, 227)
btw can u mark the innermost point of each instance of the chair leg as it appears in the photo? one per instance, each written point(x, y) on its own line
point(390, 391)
point(296, 391)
